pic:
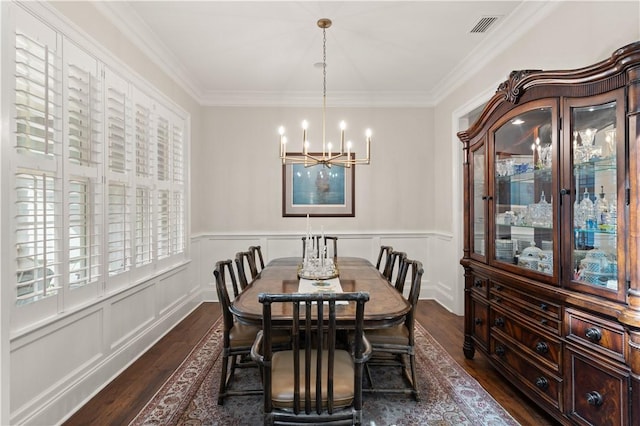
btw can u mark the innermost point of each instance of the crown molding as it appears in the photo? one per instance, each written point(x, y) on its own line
point(522, 19)
point(125, 18)
point(301, 99)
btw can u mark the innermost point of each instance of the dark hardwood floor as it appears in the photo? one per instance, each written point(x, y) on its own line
point(123, 398)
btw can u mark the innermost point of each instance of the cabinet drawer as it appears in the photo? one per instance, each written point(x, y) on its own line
point(546, 350)
point(597, 394)
point(531, 309)
point(480, 285)
point(480, 317)
point(596, 334)
point(531, 375)
point(531, 303)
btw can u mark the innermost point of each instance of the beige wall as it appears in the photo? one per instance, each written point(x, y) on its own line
point(239, 178)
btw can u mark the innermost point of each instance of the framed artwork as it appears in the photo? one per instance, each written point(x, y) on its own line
point(318, 190)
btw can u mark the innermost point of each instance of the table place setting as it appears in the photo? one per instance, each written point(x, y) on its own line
point(321, 286)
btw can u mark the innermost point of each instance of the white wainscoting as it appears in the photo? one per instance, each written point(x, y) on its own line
point(442, 279)
point(59, 366)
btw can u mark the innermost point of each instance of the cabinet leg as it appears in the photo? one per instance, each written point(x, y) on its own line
point(468, 348)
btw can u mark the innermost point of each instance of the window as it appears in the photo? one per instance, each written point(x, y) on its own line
point(98, 163)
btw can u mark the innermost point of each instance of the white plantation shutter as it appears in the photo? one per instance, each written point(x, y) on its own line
point(178, 225)
point(143, 141)
point(38, 235)
point(119, 234)
point(144, 226)
point(120, 141)
point(96, 163)
point(177, 151)
point(37, 95)
point(145, 179)
point(163, 149)
point(116, 130)
point(37, 182)
point(164, 224)
point(84, 154)
point(178, 207)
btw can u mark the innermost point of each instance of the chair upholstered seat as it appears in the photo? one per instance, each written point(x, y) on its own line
point(242, 335)
point(283, 379)
point(397, 335)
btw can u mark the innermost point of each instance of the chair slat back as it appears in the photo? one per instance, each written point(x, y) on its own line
point(392, 268)
point(402, 270)
point(246, 268)
point(223, 269)
point(384, 254)
point(414, 293)
point(309, 335)
point(258, 260)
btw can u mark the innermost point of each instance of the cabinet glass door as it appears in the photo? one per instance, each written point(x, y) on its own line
point(524, 165)
point(594, 166)
point(479, 197)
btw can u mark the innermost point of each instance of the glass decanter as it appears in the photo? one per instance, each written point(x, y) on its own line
point(601, 208)
point(586, 211)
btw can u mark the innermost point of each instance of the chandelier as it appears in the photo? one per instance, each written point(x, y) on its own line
point(330, 155)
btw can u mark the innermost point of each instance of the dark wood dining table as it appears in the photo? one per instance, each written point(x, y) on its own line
point(386, 306)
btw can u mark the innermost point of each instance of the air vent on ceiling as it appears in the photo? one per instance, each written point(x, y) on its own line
point(484, 24)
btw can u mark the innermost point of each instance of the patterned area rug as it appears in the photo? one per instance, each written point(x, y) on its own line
point(449, 396)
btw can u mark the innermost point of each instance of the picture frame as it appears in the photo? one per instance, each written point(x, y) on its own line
point(318, 190)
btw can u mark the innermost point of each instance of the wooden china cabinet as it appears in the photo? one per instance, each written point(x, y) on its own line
point(552, 236)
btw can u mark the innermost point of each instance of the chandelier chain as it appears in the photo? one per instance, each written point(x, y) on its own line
point(324, 62)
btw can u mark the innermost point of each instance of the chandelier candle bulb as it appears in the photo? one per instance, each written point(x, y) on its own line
point(343, 126)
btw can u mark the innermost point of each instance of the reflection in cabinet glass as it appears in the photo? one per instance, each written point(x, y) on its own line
point(478, 196)
point(594, 254)
point(523, 150)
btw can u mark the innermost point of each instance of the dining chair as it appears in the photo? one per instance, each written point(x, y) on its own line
point(394, 266)
point(392, 346)
point(384, 255)
point(246, 268)
point(237, 338)
point(317, 380)
point(330, 242)
point(258, 260)
point(401, 275)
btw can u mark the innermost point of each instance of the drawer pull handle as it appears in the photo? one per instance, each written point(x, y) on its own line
point(499, 322)
point(542, 383)
point(500, 350)
point(543, 306)
point(543, 321)
point(594, 398)
point(499, 287)
point(542, 348)
point(593, 334)
point(477, 283)
point(478, 321)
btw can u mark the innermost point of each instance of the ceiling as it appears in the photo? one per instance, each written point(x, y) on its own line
point(379, 53)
